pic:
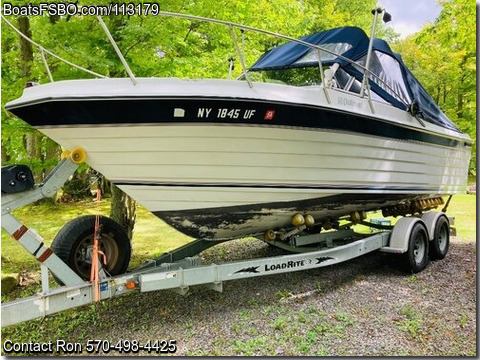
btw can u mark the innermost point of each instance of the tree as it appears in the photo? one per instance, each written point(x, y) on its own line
point(123, 210)
point(32, 138)
point(443, 57)
point(20, 142)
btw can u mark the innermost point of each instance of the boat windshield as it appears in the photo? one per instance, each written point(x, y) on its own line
point(386, 75)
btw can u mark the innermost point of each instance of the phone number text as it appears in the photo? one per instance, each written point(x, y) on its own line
point(131, 346)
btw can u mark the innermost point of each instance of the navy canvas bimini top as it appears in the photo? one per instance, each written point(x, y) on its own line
point(352, 44)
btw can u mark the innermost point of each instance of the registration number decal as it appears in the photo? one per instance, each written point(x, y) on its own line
point(225, 113)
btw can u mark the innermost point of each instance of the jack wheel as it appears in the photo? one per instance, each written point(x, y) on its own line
point(416, 257)
point(74, 242)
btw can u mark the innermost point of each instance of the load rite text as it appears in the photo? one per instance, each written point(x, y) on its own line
point(285, 265)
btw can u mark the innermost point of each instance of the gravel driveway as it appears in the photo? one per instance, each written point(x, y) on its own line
point(362, 307)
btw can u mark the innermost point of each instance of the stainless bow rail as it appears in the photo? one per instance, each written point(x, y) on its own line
point(365, 91)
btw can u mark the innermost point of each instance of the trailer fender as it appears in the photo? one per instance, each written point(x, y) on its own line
point(438, 226)
point(400, 235)
point(430, 219)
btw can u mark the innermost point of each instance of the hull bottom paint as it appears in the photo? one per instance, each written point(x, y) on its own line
point(240, 221)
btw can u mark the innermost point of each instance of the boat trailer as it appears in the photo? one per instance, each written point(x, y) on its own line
point(415, 238)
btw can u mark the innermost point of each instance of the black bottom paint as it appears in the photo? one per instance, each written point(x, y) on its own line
point(239, 221)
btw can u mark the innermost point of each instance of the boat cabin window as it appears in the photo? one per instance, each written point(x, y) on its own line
point(389, 76)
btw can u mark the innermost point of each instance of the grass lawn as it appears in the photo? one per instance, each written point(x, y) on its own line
point(151, 235)
point(463, 208)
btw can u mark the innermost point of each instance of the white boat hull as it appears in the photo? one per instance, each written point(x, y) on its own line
point(170, 169)
point(237, 161)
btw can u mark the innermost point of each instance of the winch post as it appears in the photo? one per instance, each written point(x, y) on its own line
point(28, 238)
point(48, 188)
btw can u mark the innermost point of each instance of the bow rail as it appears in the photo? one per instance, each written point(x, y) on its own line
point(240, 52)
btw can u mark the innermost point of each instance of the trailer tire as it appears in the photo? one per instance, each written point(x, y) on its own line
point(441, 239)
point(73, 240)
point(416, 258)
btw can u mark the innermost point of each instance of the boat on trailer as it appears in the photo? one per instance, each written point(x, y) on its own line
point(225, 159)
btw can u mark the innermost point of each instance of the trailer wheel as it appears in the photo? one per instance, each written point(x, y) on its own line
point(416, 257)
point(75, 240)
point(441, 239)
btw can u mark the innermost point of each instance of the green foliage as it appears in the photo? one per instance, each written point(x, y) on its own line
point(161, 46)
point(412, 324)
point(279, 323)
point(443, 57)
point(154, 46)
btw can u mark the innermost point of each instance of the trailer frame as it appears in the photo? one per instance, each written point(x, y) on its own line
point(179, 269)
